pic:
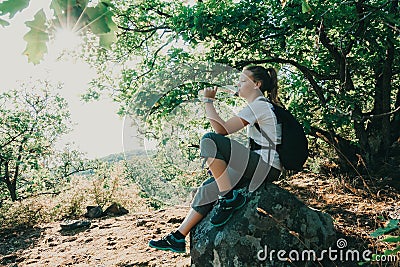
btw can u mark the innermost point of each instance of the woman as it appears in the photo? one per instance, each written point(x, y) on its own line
point(231, 163)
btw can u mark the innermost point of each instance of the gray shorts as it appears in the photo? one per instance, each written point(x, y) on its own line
point(245, 167)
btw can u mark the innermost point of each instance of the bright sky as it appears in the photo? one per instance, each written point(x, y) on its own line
point(98, 129)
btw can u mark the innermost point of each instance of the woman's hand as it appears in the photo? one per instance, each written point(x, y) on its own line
point(210, 92)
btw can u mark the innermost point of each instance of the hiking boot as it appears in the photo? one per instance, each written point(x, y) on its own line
point(169, 242)
point(227, 207)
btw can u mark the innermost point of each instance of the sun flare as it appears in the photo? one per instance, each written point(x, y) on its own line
point(66, 40)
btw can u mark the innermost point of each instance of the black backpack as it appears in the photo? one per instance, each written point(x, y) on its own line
point(293, 150)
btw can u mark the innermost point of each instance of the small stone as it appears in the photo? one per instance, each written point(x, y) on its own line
point(174, 220)
point(115, 209)
point(74, 224)
point(93, 212)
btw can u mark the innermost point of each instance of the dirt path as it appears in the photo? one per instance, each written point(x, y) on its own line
point(122, 241)
point(119, 241)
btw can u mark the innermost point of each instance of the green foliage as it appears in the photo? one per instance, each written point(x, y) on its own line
point(31, 120)
point(392, 251)
point(105, 183)
point(305, 7)
point(390, 227)
point(36, 38)
point(12, 7)
point(160, 181)
point(73, 15)
point(392, 239)
point(4, 23)
point(99, 16)
point(68, 162)
point(338, 61)
point(71, 199)
point(332, 58)
point(151, 201)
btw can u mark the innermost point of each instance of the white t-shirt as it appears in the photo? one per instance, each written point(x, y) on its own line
point(261, 112)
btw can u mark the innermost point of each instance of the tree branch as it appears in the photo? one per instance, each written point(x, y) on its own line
point(153, 61)
point(134, 47)
point(361, 25)
point(144, 30)
point(43, 193)
point(329, 44)
point(77, 171)
point(7, 172)
point(159, 12)
point(308, 73)
point(256, 41)
point(347, 151)
point(376, 116)
point(397, 98)
point(340, 59)
point(12, 139)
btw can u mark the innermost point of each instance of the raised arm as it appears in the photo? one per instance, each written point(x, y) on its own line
point(220, 126)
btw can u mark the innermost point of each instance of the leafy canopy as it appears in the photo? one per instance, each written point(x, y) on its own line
point(31, 120)
point(338, 61)
point(12, 7)
point(78, 16)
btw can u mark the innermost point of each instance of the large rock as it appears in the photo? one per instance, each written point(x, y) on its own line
point(273, 219)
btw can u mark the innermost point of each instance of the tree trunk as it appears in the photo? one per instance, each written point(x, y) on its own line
point(395, 123)
point(11, 184)
point(378, 130)
point(13, 191)
point(346, 151)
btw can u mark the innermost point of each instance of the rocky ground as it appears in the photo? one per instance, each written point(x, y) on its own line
point(357, 208)
point(114, 241)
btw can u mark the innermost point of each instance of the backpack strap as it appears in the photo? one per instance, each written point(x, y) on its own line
point(253, 144)
point(256, 146)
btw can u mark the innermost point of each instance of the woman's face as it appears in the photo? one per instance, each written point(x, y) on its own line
point(246, 84)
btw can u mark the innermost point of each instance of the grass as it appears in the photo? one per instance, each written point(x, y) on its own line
point(101, 189)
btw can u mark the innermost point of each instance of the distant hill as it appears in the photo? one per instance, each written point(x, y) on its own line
point(127, 155)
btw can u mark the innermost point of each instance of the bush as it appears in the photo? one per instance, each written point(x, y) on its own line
point(104, 187)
